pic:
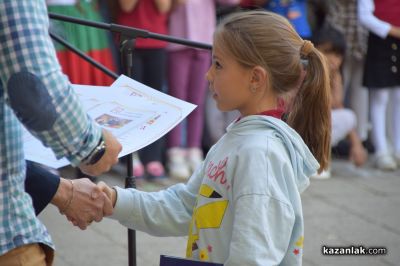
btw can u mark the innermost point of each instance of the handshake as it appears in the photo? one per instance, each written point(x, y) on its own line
point(83, 201)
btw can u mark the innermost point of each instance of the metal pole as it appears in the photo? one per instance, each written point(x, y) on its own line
point(126, 49)
point(130, 32)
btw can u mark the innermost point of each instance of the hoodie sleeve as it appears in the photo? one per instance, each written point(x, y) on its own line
point(164, 213)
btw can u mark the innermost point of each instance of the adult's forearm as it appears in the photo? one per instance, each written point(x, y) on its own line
point(41, 185)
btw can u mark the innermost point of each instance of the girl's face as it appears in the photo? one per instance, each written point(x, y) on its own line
point(229, 83)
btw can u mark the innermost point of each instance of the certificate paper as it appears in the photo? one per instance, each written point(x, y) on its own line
point(136, 114)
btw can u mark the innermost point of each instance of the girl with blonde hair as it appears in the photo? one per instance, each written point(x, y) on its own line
point(243, 206)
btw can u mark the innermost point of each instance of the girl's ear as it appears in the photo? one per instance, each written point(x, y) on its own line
point(258, 77)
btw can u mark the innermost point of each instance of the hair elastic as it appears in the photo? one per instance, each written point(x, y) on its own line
point(306, 48)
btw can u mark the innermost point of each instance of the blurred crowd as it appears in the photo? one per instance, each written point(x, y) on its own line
point(358, 38)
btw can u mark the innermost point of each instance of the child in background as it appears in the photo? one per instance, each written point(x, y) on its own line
point(149, 67)
point(332, 44)
point(382, 77)
point(342, 15)
point(94, 42)
point(243, 205)
point(294, 10)
point(194, 20)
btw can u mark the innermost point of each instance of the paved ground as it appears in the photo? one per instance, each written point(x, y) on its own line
point(354, 207)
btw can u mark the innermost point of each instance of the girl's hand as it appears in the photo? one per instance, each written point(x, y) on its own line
point(110, 192)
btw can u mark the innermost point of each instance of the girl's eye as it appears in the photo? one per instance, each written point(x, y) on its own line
point(217, 65)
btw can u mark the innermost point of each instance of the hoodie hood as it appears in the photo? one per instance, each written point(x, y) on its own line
point(303, 162)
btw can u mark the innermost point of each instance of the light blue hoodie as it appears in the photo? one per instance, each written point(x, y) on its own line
point(242, 206)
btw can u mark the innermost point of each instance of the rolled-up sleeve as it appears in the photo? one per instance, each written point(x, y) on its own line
point(34, 86)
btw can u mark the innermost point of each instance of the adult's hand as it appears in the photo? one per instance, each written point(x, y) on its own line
point(109, 158)
point(82, 202)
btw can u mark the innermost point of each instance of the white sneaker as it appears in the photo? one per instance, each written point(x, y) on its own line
point(195, 158)
point(177, 165)
point(325, 174)
point(385, 162)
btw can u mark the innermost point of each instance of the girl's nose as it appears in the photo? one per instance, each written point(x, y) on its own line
point(208, 74)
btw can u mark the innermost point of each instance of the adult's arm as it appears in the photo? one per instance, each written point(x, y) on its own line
point(81, 204)
point(37, 91)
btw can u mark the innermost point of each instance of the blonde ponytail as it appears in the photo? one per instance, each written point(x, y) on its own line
point(310, 115)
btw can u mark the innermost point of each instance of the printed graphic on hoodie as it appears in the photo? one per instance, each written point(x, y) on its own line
point(207, 216)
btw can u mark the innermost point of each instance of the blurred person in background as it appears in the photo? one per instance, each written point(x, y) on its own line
point(382, 75)
point(149, 67)
point(342, 15)
point(92, 41)
point(294, 10)
point(194, 20)
point(332, 44)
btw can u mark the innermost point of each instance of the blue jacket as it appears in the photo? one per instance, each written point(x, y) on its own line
point(295, 11)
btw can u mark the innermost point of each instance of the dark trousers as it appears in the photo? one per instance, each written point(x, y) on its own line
point(149, 67)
